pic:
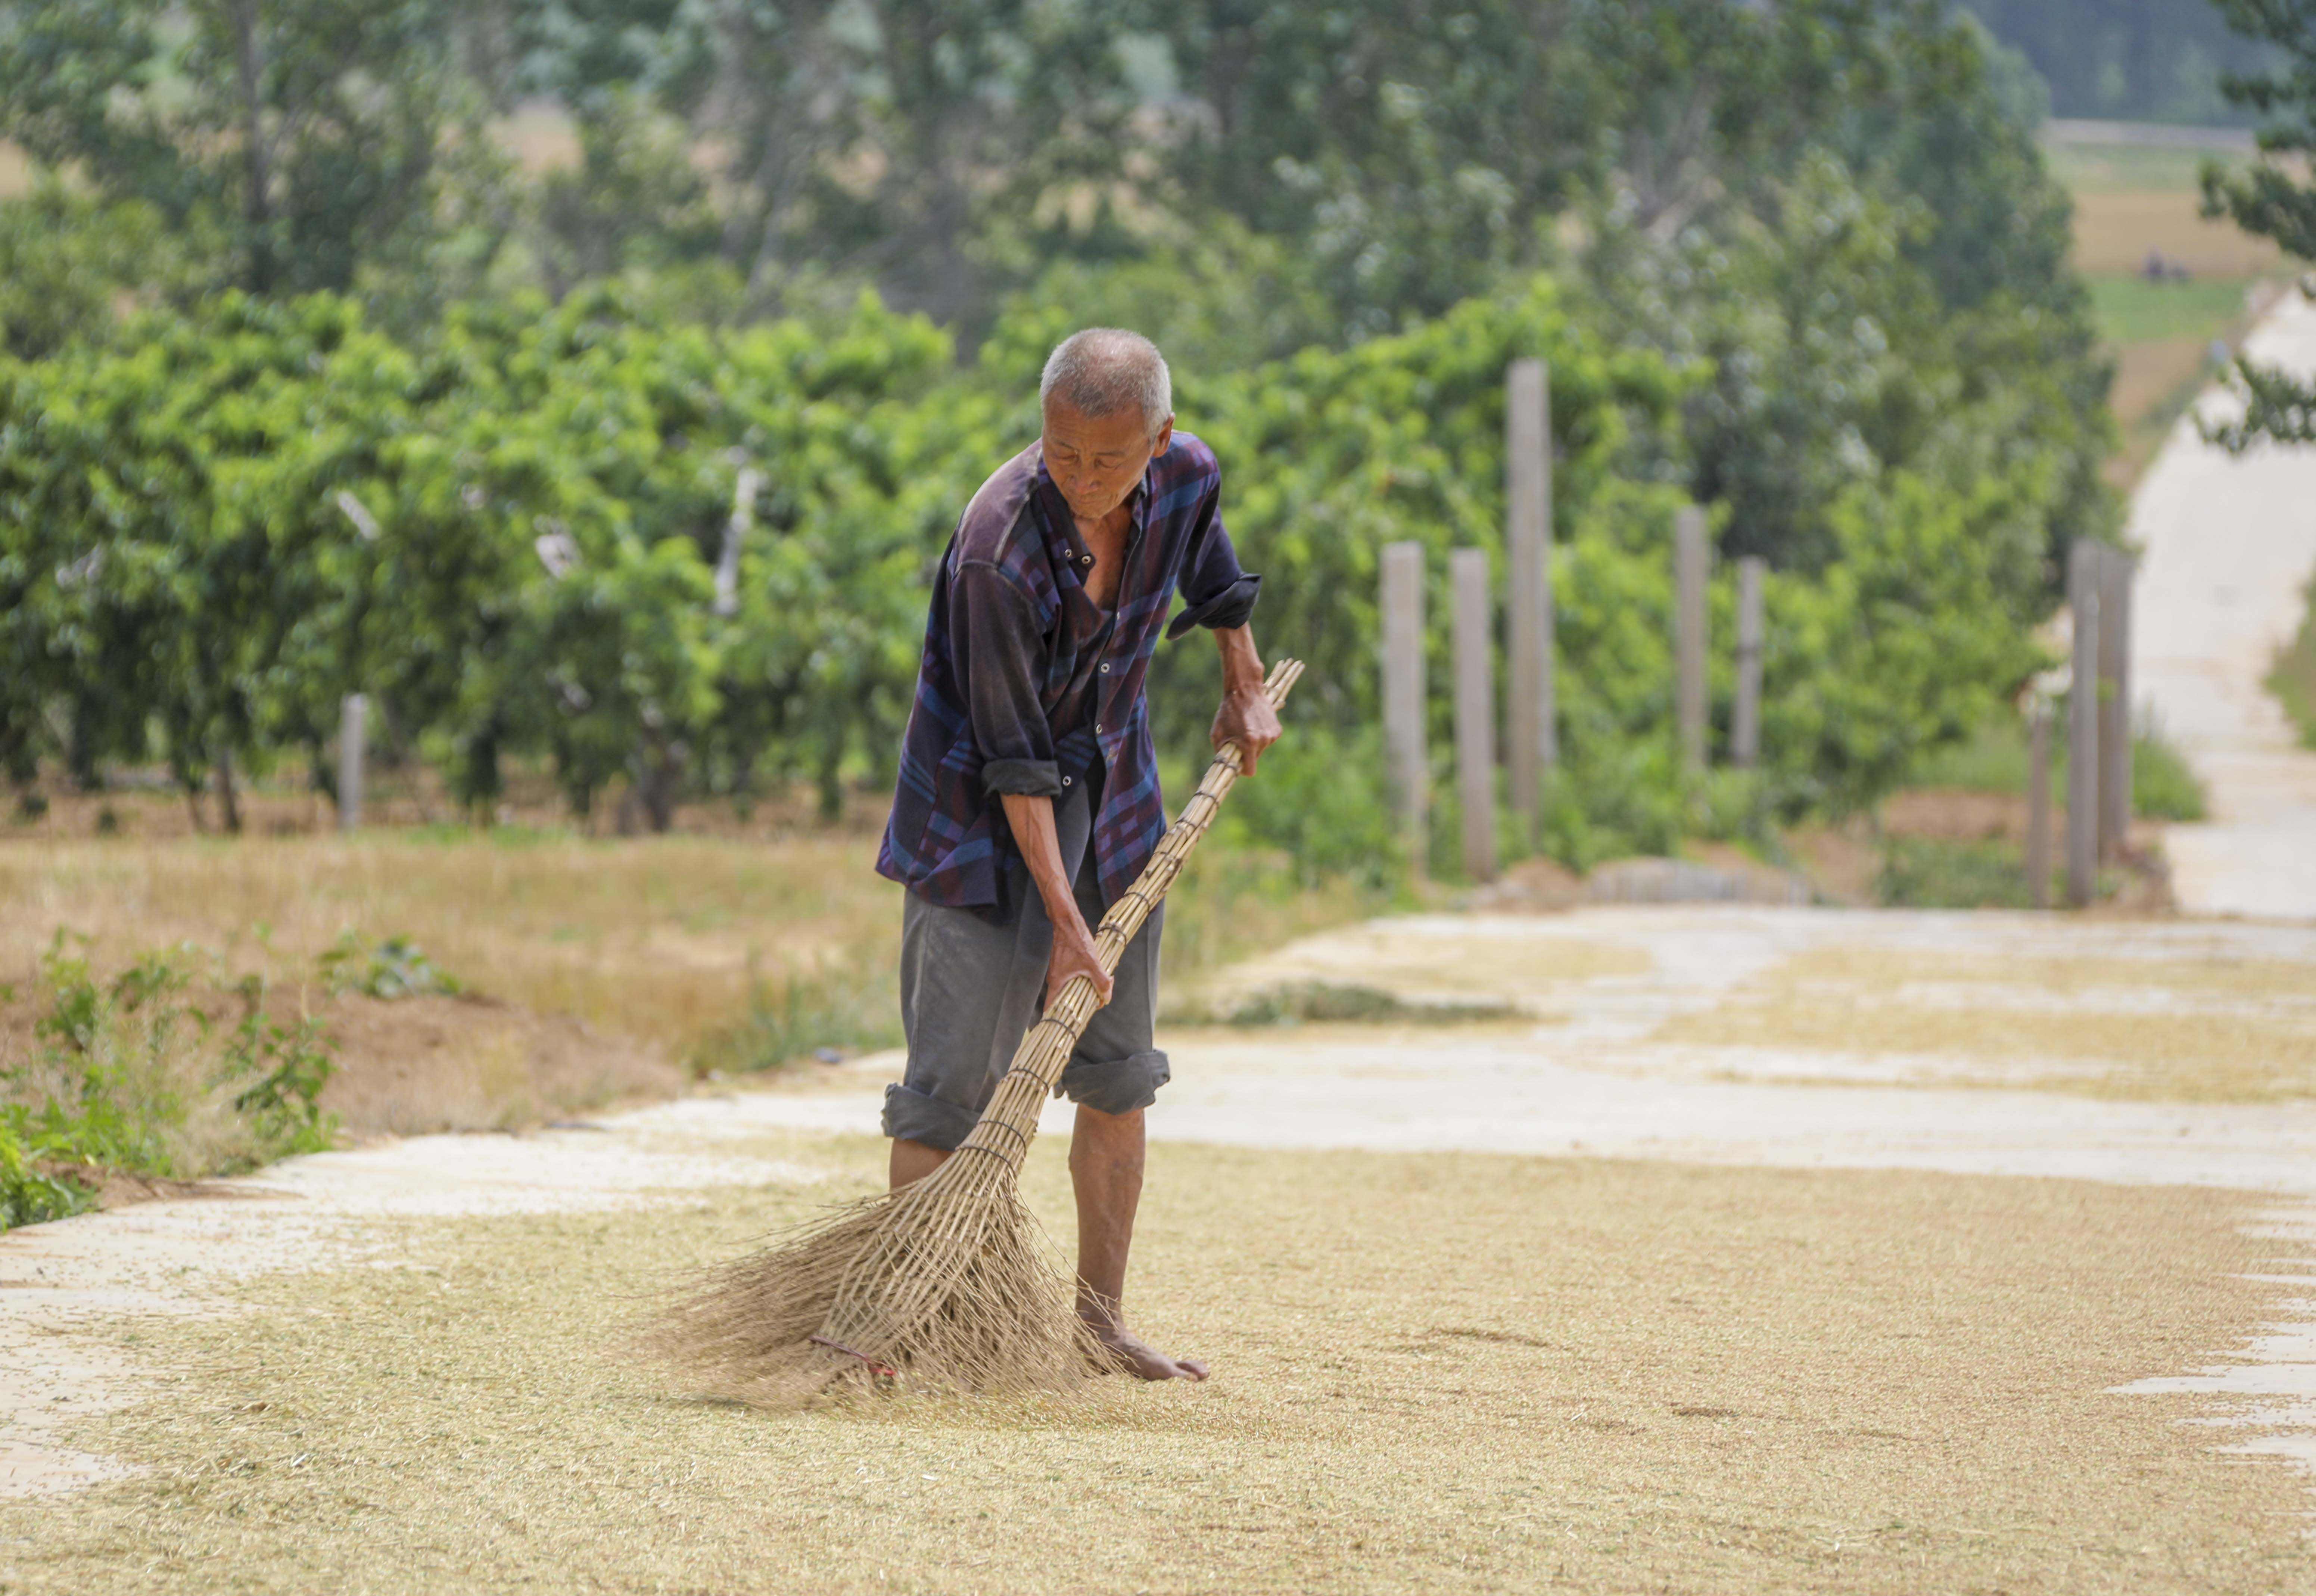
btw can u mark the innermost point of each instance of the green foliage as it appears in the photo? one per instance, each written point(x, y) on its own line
point(214, 527)
point(396, 968)
point(1321, 796)
point(1935, 873)
point(1805, 265)
point(280, 1070)
point(68, 260)
point(2273, 198)
point(852, 1005)
point(2162, 786)
point(1994, 758)
point(136, 1074)
point(28, 1195)
point(313, 144)
point(2292, 678)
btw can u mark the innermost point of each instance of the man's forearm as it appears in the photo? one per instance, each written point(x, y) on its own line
point(1242, 665)
point(1035, 833)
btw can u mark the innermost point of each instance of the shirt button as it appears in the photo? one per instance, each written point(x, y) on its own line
point(1105, 670)
point(1097, 725)
point(1065, 780)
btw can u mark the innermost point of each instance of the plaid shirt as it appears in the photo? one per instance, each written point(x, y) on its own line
point(1026, 684)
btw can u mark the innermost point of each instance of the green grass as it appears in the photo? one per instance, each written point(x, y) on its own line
point(1995, 760)
point(1935, 873)
point(2131, 168)
point(162, 1070)
point(1929, 873)
point(2129, 309)
point(2293, 679)
point(853, 1008)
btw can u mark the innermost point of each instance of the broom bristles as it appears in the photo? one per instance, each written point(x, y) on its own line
point(950, 1282)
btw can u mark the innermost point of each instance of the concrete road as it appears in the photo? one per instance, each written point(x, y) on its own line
point(2229, 549)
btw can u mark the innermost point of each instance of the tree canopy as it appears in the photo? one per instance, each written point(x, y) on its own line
point(426, 350)
point(2270, 200)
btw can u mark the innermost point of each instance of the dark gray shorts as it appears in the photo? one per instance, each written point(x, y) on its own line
point(970, 990)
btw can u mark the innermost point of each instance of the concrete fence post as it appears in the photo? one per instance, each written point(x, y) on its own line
point(353, 740)
point(2038, 803)
point(1530, 747)
point(744, 488)
point(1475, 710)
point(2083, 726)
point(1403, 731)
point(1691, 565)
point(2115, 571)
point(1745, 721)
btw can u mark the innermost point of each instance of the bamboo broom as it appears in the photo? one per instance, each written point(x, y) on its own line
point(950, 1282)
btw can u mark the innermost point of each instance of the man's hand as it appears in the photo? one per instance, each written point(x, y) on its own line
point(1073, 954)
point(1246, 717)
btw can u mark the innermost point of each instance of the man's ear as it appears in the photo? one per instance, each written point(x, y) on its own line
point(1164, 441)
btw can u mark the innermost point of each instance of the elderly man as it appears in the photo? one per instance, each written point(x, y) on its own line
point(1028, 788)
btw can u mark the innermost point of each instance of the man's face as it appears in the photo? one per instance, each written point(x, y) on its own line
point(1096, 459)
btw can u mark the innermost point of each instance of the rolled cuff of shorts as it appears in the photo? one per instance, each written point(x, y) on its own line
point(1023, 777)
point(911, 1116)
point(1234, 606)
point(1119, 1086)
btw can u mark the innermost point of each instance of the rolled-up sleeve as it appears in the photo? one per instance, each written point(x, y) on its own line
point(993, 634)
point(1216, 593)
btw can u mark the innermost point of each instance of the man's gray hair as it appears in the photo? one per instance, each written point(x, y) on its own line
point(1101, 370)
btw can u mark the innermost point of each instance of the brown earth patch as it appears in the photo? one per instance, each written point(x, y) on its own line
point(423, 1065)
point(2113, 231)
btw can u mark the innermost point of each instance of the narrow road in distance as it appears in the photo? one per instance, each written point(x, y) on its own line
point(2230, 550)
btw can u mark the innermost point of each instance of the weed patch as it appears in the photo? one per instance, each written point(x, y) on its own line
point(852, 1007)
point(1994, 759)
point(2292, 678)
point(166, 1070)
point(1323, 1002)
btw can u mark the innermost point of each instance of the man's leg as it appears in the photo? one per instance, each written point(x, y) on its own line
point(1106, 1152)
point(911, 1161)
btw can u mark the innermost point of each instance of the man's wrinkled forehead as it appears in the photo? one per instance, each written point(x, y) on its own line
point(1121, 434)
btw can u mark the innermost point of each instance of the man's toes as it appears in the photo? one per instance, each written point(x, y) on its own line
point(1190, 1369)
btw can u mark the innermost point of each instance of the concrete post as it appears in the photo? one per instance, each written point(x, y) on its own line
point(1691, 565)
point(2038, 803)
point(1475, 710)
point(1403, 706)
point(1530, 747)
point(2083, 726)
point(2115, 571)
point(735, 532)
point(1745, 722)
point(353, 738)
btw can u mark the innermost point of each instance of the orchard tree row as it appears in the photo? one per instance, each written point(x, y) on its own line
point(694, 558)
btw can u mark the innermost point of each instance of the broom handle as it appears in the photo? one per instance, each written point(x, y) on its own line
point(1011, 1116)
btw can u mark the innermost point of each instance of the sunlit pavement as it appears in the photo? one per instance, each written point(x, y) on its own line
point(2229, 547)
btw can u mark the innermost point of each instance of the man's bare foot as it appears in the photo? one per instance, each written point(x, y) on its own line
point(1130, 1354)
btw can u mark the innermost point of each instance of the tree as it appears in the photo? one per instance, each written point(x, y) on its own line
point(2267, 200)
point(918, 145)
point(317, 139)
